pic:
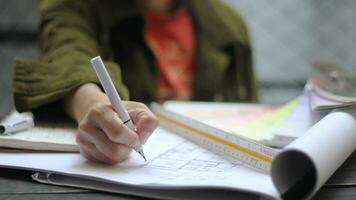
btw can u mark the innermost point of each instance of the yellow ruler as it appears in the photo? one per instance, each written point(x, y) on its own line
point(250, 152)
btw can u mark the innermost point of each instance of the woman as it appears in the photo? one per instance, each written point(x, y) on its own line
point(154, 50)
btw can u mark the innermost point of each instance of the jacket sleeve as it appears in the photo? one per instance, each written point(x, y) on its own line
point(69, 38)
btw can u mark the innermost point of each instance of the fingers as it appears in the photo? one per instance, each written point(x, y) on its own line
point(101, 151)
point(103, 137)
point(145, 121)
point(89, 151)
point(106, 119)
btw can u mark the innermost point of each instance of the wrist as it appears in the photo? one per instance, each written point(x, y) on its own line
point(78, 102)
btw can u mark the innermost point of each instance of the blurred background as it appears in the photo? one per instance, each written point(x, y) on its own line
point(287, 36)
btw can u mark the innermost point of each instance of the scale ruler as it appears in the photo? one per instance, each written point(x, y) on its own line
point(250, 152)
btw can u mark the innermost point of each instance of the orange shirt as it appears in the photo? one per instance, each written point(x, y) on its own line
point(172, 40)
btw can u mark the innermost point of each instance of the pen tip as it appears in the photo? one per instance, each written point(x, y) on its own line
point(143, 156)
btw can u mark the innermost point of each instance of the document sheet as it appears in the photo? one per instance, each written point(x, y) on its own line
point(172, 162)
point(298, 171)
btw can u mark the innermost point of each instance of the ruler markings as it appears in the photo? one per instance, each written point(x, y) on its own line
point(246, 150)
point(217, 139)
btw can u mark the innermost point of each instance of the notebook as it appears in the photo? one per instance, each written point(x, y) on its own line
point(177, 168)
point(45, 136)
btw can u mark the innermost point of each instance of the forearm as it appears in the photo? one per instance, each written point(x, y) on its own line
point(77, 103)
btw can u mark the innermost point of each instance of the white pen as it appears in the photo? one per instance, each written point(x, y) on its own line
point(16, 125)
point(114, 97)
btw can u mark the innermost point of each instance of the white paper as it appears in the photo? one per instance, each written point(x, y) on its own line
point(172, 162)
point(320, 151)
point(300, 120)
point(45, 137)
point(177, 163)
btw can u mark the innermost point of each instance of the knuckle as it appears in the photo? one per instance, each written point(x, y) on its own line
point(79, 140)
point(156, 122)
point(83, 126)
point(115, 131)
point(99, 109)
point(100, 105)
point(119, 129)
point(142, 105)
point(95, 112)
point(113, 151)
point(106, 108)
point(132, 140)
point(152, 120)
point(119, 125)
point(145, 118)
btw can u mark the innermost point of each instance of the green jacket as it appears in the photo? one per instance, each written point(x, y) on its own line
point(72, 32)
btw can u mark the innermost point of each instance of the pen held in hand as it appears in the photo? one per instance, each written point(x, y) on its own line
point(114, 97)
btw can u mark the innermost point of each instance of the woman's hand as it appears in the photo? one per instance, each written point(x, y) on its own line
point(102, 136)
